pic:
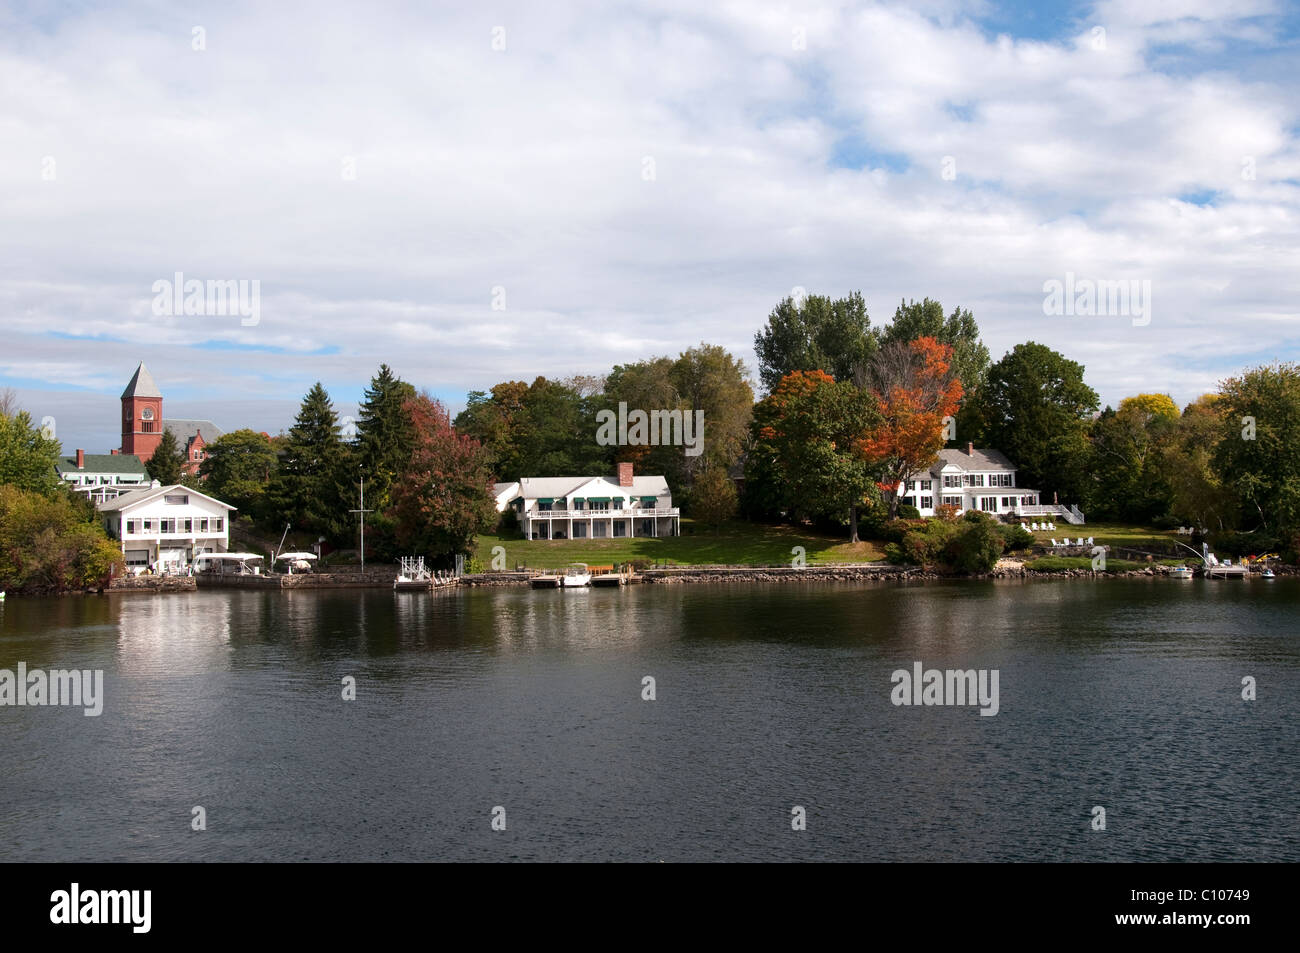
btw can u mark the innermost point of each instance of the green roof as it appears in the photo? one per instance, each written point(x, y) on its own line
point(102, 463)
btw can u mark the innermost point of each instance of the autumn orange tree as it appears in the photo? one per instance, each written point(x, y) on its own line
point(915, 387)
point(804, 458)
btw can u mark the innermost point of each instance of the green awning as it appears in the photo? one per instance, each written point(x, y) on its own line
point(580, 499)
point(649, 499)
point(546, 499)
point(597, 499)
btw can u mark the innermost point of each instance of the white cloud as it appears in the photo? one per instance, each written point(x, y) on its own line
point(524, 169)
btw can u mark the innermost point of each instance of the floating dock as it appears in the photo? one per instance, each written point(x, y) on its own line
point(1226, 572)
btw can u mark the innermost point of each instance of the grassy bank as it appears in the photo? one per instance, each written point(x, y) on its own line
point(1111, 534)
point(736, 544)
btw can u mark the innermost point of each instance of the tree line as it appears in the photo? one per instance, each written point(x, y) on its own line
point(848, 411)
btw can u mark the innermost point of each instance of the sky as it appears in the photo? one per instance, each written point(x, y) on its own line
point(507, 190)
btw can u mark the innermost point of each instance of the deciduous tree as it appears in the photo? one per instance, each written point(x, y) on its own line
point(442, 499)
point(915, 389)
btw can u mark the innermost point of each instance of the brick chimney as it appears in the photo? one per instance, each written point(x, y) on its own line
point(625, 474)
point(970, 449)
point(81, 459)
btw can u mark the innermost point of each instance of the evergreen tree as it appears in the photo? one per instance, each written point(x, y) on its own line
point(385, 438)
point(313, 487)
point(168, 461)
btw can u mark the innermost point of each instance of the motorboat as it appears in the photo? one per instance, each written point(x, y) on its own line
point(576, 575)
point(1264, 573)
point(1181, 572)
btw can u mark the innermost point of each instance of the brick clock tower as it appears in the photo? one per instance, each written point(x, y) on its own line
point(142, 420)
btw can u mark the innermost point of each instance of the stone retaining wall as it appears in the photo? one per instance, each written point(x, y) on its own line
point(152, 584)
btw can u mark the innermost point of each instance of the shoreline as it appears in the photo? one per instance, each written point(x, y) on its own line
point(674, 576)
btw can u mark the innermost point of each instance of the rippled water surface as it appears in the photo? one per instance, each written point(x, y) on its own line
point(1123, 694)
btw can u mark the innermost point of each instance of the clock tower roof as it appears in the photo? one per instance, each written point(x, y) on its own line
point(142, 384)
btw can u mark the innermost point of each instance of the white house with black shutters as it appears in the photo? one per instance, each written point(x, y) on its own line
point(983, 480)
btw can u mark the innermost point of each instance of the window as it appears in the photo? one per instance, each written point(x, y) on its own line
point(176, 499)
point(544, 507)
point(216, 525)
point(616, 503)
point(620, 527)
point(187, 526)
point(927, 502)
point(146, 426)
point(925, 484)
point(1008, 502)
point(909, 501)
point(951, 481)
point(600, 507)
point(203, 526)
point(952, 501)
point(579, 530)
point(989, 504)
point(576, 505)
point(167, 526)
point(148, 526)
point(132, 527)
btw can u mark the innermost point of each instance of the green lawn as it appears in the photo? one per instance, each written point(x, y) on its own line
point(1111, 534)
point(736, 544)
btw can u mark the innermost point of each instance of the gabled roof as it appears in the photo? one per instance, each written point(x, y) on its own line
point(149, 493)
point(142, 384)
point(979, 460)
point(185, 428)
point(127, 463)
point(531, 488)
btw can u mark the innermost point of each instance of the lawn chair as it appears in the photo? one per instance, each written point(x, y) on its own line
point(1079, 542)
point(1055, 544)
point(1089, 540)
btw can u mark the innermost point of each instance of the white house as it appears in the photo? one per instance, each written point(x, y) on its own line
point(982, 480)
point(165, 527)
point(591, 507)
point(102, 476)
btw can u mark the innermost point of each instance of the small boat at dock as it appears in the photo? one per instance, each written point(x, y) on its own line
point(1181, 572)
point(576, 576)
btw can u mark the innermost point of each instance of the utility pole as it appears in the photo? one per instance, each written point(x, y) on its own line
point(363, 511)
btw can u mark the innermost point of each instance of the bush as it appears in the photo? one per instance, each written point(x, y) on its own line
point(946, 512)
point(46, 545)
point(906, 512)
point(1016, 537)
point(893, 531)
point(975, 547)
point(970, 546)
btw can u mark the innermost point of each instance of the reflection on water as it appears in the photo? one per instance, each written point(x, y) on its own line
point(1122, 693)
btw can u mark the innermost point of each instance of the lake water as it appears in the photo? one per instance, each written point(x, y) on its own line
point(1120, 694)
